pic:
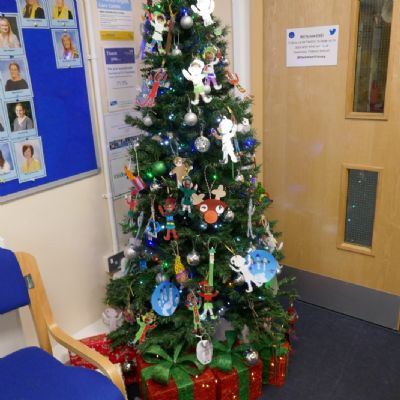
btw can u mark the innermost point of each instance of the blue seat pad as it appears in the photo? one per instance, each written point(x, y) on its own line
point(32, 374)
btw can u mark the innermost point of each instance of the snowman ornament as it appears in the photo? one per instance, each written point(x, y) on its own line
point(196, 75)
point(227, 131)
point(205, 8)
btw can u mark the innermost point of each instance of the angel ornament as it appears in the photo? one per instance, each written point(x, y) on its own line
point(195, 74)
point(227, 130)
point(159, 24)
point(205, 8)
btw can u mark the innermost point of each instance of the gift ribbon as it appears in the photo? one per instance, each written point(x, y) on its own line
point(179, 367)
point(227, 357)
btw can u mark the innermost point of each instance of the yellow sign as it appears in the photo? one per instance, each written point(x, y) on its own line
point(116, 35)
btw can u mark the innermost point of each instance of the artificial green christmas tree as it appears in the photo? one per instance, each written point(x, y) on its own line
point(202, 248)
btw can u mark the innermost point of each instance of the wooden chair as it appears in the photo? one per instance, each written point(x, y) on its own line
point(56, 381)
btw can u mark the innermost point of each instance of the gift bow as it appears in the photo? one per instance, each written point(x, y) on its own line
point(179, 367)
point(226, 357)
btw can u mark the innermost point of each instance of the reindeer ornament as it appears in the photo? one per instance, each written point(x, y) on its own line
point(211, 209)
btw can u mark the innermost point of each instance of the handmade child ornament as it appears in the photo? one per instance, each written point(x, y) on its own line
point(205, 8)
point(268, 239)
point(258, 267)
point(251, 209)
point(211, 209)
point(168, 211)
point(196, 75)
point(187, 189)
point(193, 303)
point(204, 351)
point(153, 227)
point(211, 57)
point(159, 23)
point(227, 129)
point(181, 169)
point(207, 293)
point(233, 79)
point(165, 299)
point(146, 324)
point(150, 86)
point(113, 318)
point(181, 275)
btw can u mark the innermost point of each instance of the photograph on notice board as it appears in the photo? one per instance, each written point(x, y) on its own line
point(67, 48)
point(28, 154)
point(7, 165)
point(15, 82)
point(11, 43)
point(33, 13)
point(3, 123)
point(21, 117)
point(62, 13)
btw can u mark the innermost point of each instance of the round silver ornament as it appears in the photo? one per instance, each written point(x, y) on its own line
point(176, 51)
point(202, 144)
point(147, 121)
point(186, 22)
point(207, 89)
point(229, 215)
point(239, 177)
point(161, 277)
point(128, 367)
point(193, 258)
point(130, 252)
point(190, 118)
point(251, 357)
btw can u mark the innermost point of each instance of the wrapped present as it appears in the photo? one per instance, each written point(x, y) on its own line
point(181, 377)
point(102, 344)
point(235, 379)
point(278, 364)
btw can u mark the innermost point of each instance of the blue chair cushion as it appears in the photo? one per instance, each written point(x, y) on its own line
point(13, 290)
point(33, 374)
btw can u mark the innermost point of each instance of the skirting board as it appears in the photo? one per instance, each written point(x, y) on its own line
point(357, 301)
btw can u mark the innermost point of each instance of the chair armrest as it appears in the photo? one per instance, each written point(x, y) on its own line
point(112, 371)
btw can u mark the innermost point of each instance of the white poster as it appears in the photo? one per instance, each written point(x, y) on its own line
point(312, 46)
point(115, 19)
point(120, 72)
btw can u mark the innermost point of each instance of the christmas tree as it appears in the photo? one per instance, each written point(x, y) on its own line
point(202, 248)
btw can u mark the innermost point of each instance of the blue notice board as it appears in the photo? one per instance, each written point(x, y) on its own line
point(62, 112)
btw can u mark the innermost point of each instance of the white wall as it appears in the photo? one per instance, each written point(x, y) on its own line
point(68, 231)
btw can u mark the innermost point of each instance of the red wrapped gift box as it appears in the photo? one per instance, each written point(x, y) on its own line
point(278, 367)
point(102, 344)
point(205, 387)
point(228, 383)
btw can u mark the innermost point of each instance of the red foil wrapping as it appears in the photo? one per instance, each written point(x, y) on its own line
point(228, 384)
point(205, 387)
point(277, 370)
point(102, 344)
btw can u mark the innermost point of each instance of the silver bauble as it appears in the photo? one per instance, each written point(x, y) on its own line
point(128, 366)
point(193, 258)
point(147, 120)
point(186, 22)
point(130, 252)
point(229, 215)
point(176, 51)
point(239, 178)
point(161, 277)
point(202, 144)
point(207, 89)
point(190, 118)
point(251, 357)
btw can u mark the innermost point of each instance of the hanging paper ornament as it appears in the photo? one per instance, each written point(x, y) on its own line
point(155, 186)
point(258, 267)
point(188, 190)
point(202, 144)
point(207, 293)
point(239, 178)
point(193, 258)
point(158, 168)
point(212, 57)
point(161, 277)
point(181, 169)
point(229, 215)
point(146, 324)
point(212, 209)
point(190, 118)
point(168, 211)
point(148, 121)
point(176, 51)
point(251, 357)
point(227, 129)
point(150, 86)
point(233, 79)
point(153, 227)
point(193, 303)
point(165, 299)
point(204, 351)
point(196, 75)
point(250, 212)
point(186, 22)
point(205, 8)
point(159, 23)
point(113, 318)
point(181, 274)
